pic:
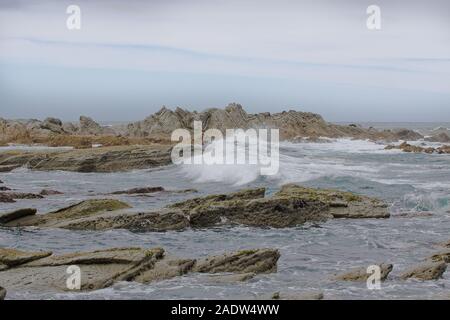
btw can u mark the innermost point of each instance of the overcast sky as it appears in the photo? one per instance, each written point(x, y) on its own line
point(131, 57)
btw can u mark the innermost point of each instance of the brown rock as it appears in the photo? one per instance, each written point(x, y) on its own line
point(2, 293)
point(140, 190)
point(441, 256)
point(14, 257)
point(297, 296)
point(361, 274)
point(246, 261)
point(46, 192)
point(425, 271)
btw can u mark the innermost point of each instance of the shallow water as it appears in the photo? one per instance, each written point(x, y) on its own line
point(415, 186)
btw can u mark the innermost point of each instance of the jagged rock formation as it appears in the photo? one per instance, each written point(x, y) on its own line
point(293, 205)
point(292, 124)
point(102, 268)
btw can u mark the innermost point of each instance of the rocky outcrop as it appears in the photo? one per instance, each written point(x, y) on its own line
point(293, 205)
point(245, 261)
point(292, 124)
point(440, 137)
point(406, 147)
point(441, 256)
point(142, 190)
point(102, 268)
point(83, 209)
point(107, 159)
point(425, 271)
point(2, 293)
point(13, 196)
point(12, 257)
point(361, 274)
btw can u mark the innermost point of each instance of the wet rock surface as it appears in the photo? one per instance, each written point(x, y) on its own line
point(361, 274)
point(102, 268)
point(293, 205)
point(105, 159)
point(425, 271)
point(2, 293)
point(406, 147)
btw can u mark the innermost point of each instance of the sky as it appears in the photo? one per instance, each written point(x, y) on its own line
point(131, 57)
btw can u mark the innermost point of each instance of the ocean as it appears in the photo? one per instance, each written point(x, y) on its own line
point(416, 187)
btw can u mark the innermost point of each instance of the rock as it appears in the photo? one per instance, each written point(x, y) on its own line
point(445, 244)
point(13, 257)
point(297, 296)
point(406, 147)
point(12, 196)
point(82, 209)
point(47, 192)
point(2, 293)
point(291, 206)
point(441, 256)
point(246, 261)
point(6, 198)
point(361, 274)
point(140, 190)
point(52, 124)
point(2, 188)
point(16, 214)
point(232, 278)
point(102, 268)
point(104, 159)
point(406, 134)
point(89, 126)
point(441, 137)
point(425, 271)
point(99, 269)
point(1, 182)
point(166, 268)
point(341, 204)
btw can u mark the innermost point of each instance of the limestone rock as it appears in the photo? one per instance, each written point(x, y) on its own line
point(47, 192)
point(361, 274)
point(166, 268)
point(441, 137)
point(441, 256)
point(105, 159)
point(14, 257)
point(425, 271)
point(142, 190)
point(246, 261)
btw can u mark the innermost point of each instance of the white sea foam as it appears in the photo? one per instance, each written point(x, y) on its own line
point(299, 162)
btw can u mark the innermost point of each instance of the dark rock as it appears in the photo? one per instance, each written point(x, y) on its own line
point(361, 274)
point(140, 190)
point(2, 293)
point(246, 261)
point(16, 214)
point(2, 188)
point(47, 192)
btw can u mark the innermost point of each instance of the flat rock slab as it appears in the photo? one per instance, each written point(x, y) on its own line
point(16, 214)
point(12, 257)
point(245, 261)
point(361, 274)
point(102, 268)
point(441, 256)
point(104, 159)
point(231, 278)
point(425, 271)
point(293, 205)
